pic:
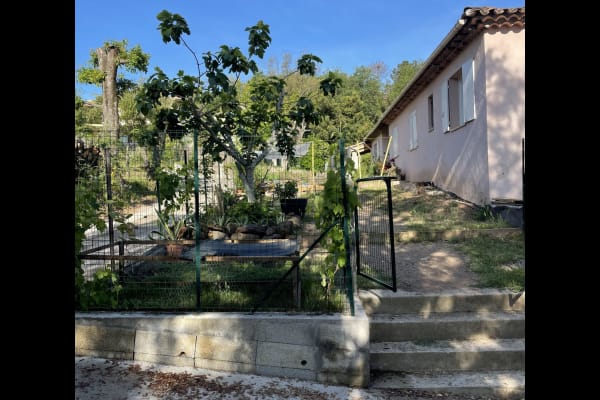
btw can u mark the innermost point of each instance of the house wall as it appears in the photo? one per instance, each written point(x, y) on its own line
point(505, 92)
point(457, 160)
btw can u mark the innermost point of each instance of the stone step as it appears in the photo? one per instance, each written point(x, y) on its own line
point(448, 355)
point(509, 385)
point(383, 301)
point(440, 326)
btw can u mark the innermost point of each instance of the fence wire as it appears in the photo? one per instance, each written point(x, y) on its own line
point(374, 235)
point(130, 185)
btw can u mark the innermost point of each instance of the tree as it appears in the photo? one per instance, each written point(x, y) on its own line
point(354, 109)
point(401, 76)
point(87, 112)
point(209, 101)
point(104, 63)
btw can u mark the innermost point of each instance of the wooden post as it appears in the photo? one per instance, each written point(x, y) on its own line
point(387, 150)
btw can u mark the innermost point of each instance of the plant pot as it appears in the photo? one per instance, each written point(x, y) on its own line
point(174, 250)
point(293, 206)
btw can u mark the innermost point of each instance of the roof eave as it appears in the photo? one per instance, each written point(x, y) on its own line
point(457, 27)
point(472, 23)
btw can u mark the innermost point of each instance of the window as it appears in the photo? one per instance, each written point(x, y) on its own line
point(412, 126)
point(454, 100)
point(430, 124)
point(458, 101)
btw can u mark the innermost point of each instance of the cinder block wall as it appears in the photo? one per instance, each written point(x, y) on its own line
point(324, 348)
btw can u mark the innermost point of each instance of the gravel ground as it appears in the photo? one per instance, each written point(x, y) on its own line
point(98, 378)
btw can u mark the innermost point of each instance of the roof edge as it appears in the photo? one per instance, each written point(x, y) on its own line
point(468, 15)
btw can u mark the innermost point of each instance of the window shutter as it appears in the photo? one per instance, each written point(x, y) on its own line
point(412, 122)
point(444, 109)
point(468, 91)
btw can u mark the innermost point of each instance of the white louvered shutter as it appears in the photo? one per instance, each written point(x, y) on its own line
point(444, 109)
point(412, 122)
point(468, 93)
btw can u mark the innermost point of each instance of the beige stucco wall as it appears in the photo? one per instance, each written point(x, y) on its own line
point(505, 92)
point(457, 160)
point(480, 160)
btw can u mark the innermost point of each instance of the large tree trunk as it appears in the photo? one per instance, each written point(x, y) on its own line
point(108, 62)
point(246, 174)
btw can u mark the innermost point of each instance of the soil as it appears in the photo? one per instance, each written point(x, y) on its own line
point(431, 267)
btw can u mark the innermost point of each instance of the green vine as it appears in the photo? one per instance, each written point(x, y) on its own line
point(329, 206)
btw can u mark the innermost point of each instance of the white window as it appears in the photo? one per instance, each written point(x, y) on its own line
point(457, 95)
point(430, 120)
point(412, 126)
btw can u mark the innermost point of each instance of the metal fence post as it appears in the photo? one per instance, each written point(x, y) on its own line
point(349, 285)
point(109, 197)
point(196, 220)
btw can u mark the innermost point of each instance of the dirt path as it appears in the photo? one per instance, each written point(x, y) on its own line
point(432, 266)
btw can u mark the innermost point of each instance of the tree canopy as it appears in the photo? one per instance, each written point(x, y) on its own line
point(210, 101)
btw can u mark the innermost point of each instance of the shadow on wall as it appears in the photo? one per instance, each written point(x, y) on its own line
point(506, 122)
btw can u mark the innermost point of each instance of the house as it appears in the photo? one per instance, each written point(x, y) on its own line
point(460, 122)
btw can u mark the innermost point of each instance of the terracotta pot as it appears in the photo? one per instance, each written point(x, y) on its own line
point(174, 250)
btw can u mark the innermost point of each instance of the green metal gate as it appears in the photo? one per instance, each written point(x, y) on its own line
point(374, 231)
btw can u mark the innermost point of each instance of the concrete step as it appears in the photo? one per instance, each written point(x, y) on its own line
point(508, 385)
point(440, 326)
point(448, 355)
point(383, 301)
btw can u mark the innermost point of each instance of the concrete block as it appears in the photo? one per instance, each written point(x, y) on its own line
point(104, 341)
point(120, 355)
point(225, 366)
point(286, 331)
point(352, 335)
point(155, 346)
point(332, 378)
point(228, 326)
point(168, 360)
point(286, 372)
point(345, 361)
point(209, 324)
point(225, 349)
point(286, 355)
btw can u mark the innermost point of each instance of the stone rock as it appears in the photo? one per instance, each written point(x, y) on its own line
point(245, 236)
point(231, 227)
point(216, 235)
point(252, 228)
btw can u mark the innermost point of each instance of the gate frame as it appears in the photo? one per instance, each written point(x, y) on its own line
point(387, 180)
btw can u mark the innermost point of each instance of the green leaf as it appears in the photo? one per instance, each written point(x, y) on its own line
point(307, 64)
point(330, 84)
point(258, 39)
point(172, 26)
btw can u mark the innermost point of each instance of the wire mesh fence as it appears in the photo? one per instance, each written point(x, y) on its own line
point(139, 250)
point(374, 234)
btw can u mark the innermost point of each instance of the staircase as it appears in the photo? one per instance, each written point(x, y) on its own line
point(469, 341)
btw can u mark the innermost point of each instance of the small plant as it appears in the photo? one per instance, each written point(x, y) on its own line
point(330, 211)
point(486, 213)
point(102, 291)
point(168, 231)
point(288, 190)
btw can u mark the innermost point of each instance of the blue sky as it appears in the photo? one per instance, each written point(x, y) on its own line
point(345, 34)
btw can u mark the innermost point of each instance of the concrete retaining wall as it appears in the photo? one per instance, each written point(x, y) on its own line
point(324, 348)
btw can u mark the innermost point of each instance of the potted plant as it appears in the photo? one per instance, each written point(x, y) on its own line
point(172, 232)
point(290, 204)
